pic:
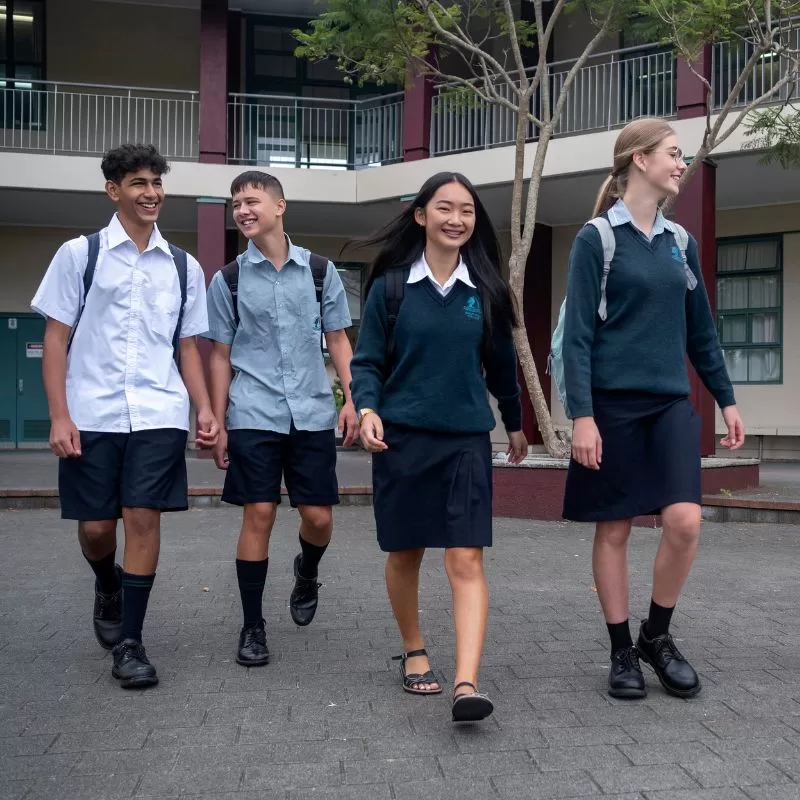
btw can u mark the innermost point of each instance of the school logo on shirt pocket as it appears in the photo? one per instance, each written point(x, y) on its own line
point(472, 309)
point(317, 324)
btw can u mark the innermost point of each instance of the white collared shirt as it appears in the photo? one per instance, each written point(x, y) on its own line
point(420, 270)
point(121, 375)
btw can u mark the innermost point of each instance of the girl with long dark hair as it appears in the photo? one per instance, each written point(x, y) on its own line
point(436, 334)
point(628, 328)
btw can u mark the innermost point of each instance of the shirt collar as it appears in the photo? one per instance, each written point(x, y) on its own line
point(117, 235)
point(618, 214)
point(297, 255)
point(420, 270)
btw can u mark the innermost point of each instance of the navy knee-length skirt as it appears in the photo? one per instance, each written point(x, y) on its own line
point(650, 458)
point(432, 489)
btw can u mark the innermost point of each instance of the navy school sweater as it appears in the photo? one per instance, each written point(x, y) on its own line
point(653, 321)
point(436, 383)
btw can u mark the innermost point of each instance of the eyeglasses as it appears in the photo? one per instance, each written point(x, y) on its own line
point(677, 154)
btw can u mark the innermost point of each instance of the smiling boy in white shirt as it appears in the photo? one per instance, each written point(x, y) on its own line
point(123, 308)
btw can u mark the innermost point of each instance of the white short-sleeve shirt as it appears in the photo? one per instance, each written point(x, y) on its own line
point(121, 374)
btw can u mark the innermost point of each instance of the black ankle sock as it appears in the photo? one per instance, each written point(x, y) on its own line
point(105, 570)
point(312, 554)
point(252, 575)
point(657, 620)
point(620, 633)
point(135, 594)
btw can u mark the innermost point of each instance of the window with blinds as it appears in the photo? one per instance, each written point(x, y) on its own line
point(750, 308)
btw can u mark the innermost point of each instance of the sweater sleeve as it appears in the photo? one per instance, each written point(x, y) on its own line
point(580, 321)
point(501, 378)
point(702, 342)
point(368, 363)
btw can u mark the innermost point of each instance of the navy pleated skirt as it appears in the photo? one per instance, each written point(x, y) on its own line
point(651, 458)
point(432, 489)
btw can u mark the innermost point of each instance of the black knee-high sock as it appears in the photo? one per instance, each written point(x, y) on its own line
point(252, 575)
point(620, 633)
point(105, 570)
point(309, 563)
point(135, 594)
point(657, 620)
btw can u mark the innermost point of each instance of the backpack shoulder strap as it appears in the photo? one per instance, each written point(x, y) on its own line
point(319, 270)
point(395, 284)
point(93, 240)
point(681, 236)
point(230, 274)
point(609, 242)
point(182, 266)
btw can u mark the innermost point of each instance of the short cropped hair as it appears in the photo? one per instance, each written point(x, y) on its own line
point(127, 158)
point(257, 180)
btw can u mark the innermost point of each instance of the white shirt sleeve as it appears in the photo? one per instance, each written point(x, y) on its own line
point(60, 294)
point(195, 315)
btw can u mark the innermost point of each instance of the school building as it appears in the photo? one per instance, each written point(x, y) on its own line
point(215, 85)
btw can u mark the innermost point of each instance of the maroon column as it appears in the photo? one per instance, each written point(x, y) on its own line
point(696, 210)
point(213, 80)
point(537, 302)
point(417, 117)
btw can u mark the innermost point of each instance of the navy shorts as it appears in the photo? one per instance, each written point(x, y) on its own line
point(305, 459)
point(141, 469)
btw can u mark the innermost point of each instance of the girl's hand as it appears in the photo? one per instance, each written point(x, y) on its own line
point(517, 447)
point(587, 446)
point(735, 438)
point(372, 433)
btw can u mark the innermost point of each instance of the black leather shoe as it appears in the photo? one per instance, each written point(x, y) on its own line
point(108, 615)
point(253, 651)
point(625, 680)
point(131, 666)
point(305, 596)
point(675, 673)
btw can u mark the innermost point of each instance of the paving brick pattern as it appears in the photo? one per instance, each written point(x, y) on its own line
point(327, 719)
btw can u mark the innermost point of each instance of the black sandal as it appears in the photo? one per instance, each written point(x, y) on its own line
point(410, 682)
point(470, 706)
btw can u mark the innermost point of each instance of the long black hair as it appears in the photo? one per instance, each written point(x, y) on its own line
point(402, 242)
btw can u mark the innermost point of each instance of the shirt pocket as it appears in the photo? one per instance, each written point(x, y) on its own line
point(310, 317)
point(163, 313)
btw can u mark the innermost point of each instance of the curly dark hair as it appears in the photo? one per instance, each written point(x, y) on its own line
point(257, 180)
point(127, 158)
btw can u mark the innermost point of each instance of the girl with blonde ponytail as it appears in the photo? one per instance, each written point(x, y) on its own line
point(636, 436)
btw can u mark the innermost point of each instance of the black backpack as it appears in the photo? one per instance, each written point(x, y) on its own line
point(178, 256)
point(319, 269)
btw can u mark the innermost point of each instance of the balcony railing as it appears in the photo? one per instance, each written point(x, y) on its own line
point(88, 119)
point(729, 59)
point(613, 90)
point(274, 130)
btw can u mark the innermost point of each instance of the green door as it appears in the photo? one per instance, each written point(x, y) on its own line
point(33, 423)
point(8, 381)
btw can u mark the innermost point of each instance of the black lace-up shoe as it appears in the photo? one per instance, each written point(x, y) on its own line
point(253, 651)
point(676, 674)
point(625, 680)
point(305, 596)
point(131, 666)
point(108, 615)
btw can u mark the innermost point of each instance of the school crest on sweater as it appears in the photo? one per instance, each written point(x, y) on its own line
point(472, 308)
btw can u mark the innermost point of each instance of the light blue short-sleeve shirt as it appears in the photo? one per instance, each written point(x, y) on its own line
point(279, 373)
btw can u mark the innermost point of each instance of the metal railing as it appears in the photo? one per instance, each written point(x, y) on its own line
point(729, 59)
point(276, 130)
point(88, 119)
point(613, 90)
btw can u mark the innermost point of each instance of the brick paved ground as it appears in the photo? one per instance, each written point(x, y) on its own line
point(327, 718)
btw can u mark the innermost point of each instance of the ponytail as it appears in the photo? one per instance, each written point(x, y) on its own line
point(607, 196)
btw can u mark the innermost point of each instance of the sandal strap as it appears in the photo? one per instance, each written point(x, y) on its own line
point(465, 683)
point(426, 677)
point(410, 654)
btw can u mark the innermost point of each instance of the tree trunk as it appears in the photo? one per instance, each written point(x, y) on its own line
point(554, 446)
